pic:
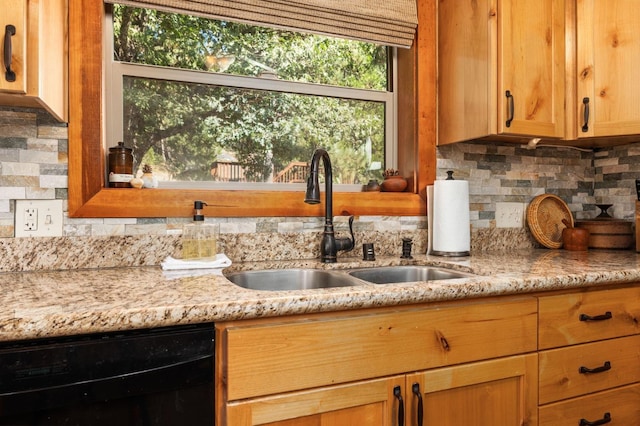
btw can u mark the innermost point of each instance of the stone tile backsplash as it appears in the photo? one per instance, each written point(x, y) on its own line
point(34, 164)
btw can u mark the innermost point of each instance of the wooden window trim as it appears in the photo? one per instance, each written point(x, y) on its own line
point(88, 196)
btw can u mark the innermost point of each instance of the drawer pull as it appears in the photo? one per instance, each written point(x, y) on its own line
point(607, 315)
point(416, 391)
point(397, 392)
point(605, 367)
point(603, 421)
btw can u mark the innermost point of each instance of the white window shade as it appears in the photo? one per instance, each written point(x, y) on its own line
point(388, 22)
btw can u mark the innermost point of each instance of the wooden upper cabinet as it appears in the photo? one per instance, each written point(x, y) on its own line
point(531, 59)
point(35, 31)
point(608, 59)
point(13, 24)
point(501, 68)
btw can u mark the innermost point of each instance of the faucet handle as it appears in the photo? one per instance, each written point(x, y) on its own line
point(346, 244)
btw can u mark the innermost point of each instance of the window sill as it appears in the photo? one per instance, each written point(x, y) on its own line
point(112, 202)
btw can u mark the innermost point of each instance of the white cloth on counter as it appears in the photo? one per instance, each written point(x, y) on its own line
point(172, 264)
point(175, 274)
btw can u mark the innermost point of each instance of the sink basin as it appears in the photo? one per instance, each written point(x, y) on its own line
point(290, 279)
point(402, 274)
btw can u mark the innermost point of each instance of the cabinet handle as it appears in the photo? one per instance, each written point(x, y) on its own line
point(586, 370)
point(603, 421)
point(585, 126)
point(416, 391)
point(9, 31)
point(607, 315)
point(397, 392)
point(510, 107)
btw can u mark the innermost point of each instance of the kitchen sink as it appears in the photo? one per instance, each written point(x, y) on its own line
point(291, 279)
point(402, 274)
point(304, 279)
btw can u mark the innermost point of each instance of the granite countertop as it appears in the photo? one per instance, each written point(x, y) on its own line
point(57, 303)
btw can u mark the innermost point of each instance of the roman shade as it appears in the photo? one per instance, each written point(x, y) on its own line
point(388, 22)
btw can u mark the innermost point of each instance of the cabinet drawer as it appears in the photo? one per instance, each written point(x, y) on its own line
point(277, 356)
point(613, 313)
point(560, 369)
point(622, 404)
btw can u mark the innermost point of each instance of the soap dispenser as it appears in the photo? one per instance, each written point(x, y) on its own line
point(199, 238)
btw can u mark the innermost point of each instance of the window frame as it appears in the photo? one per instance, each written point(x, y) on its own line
point(115, 71)
point(88, 196)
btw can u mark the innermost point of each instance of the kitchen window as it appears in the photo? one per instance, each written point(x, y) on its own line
point(90, 197)
point(218, 104)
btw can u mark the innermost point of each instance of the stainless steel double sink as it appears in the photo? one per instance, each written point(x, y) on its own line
point(301, 279)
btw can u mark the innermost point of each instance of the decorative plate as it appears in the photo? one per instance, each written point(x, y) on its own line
point(544, 217)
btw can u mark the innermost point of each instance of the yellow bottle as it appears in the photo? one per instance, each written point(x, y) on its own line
point(199, 239)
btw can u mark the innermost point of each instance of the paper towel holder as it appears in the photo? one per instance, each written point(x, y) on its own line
point(430, 250)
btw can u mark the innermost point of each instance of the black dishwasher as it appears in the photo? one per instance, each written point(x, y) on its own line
point(156, 377)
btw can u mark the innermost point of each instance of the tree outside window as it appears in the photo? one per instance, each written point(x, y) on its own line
point(273, 97)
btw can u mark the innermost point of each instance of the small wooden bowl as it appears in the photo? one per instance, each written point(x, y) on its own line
point(575, 239)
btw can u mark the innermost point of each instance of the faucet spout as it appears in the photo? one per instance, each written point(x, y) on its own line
point(330, 245)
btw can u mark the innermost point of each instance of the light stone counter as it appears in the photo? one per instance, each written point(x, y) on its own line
point(55, 303)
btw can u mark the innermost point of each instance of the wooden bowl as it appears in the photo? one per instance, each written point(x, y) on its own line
point(575, 239)
point(608, 234)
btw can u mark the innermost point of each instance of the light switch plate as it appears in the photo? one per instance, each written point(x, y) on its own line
point(38, 218)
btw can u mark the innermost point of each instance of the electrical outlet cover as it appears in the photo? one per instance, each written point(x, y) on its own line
point(38, 218)
point(509, 215)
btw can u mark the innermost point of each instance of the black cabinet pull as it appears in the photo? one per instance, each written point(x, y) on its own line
point(603, 421)
point(510, 106)
point(416, 391)
point(585, 126)
point(397, 392)
point(586, 370)
point(9, 31)
point(607, 315)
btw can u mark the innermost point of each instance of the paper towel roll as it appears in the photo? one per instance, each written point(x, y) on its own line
point(449, 224)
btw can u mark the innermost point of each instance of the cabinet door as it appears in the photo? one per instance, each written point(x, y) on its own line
point(608, 58)
point(13, 20)
point(464, 70)
point(367, 403)
point(497, 392)
point(531, 67)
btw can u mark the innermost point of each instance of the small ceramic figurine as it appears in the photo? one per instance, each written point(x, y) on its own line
point(148, 179)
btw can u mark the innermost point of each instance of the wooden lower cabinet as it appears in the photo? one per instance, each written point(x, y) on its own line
point(488, 393)
point(564, 358)
point(590, 367)
point(498, 392)
point(473, 358)
point(366, 403)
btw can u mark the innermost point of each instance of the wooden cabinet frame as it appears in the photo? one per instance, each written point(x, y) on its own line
point(88, 196)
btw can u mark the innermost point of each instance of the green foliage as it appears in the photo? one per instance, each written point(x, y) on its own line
point(181, 128)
